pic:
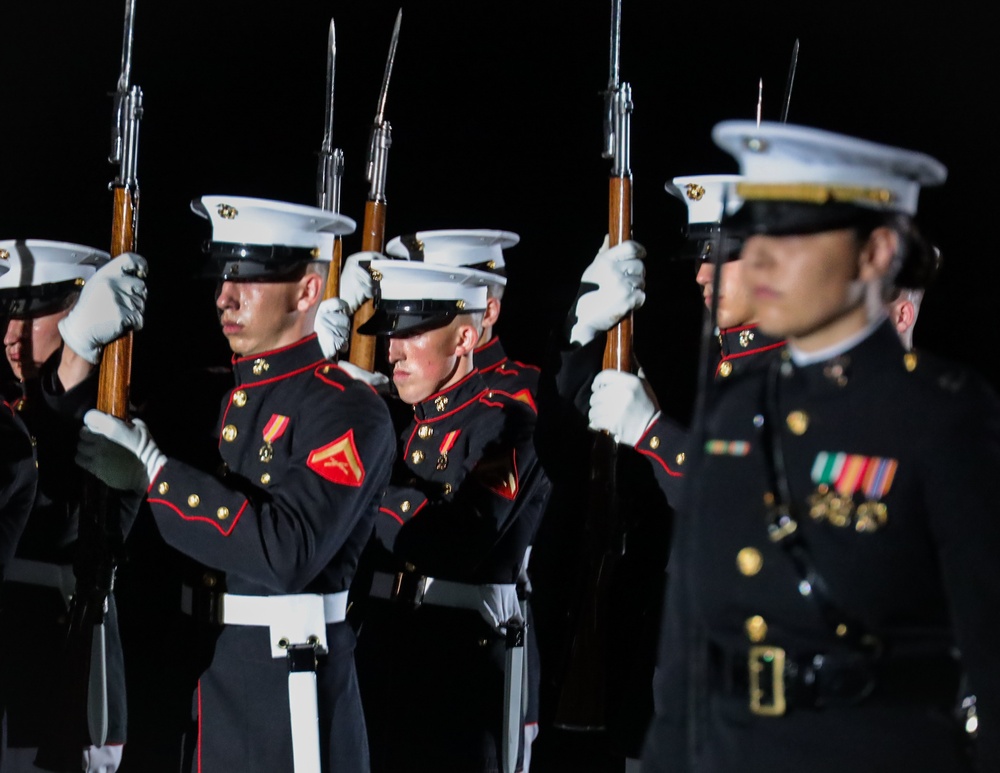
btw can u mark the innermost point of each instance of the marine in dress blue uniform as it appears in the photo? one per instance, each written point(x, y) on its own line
point(833, 573)
point(483, 250)
point(62, 311)
point(304, 453)
point(450, 539)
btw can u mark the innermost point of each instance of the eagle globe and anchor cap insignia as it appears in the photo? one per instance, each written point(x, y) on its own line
point(338, 461)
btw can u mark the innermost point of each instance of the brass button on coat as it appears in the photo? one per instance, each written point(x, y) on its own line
point(222, 513)
point(756, 628)
point(749, 561)
point(265, 478)
point(194, 500)
point(405, 506)
point(163, 488)
point(239, 398)
point(229, 433)
point(654, 442)
point(417, 456)
point(798, 422)
point(681, 458)
point(725, 369)
point(425, 432)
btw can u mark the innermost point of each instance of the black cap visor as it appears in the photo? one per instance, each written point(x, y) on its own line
point(255, 262)
point(795, 218)
point(39, 300)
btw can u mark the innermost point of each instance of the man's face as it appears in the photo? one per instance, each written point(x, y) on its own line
point(29, 342)
point(735, 303)
point(259, 316)
point(427, 362)
point(806, 287)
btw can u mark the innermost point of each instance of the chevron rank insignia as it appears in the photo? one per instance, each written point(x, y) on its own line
point(338, 461)
point(499, 474)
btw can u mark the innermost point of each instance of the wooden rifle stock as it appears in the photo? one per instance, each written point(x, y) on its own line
point(116, 362)
point(618, 349)
point(332, 289)
point(583, 698)
point(372, 240)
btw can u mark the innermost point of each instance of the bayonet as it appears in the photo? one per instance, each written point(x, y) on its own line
point(760, 100)
point(127, 109)
point(381, 136)
point(373, 234)
point(790, 82)
point(331, 160)
point(617, 103)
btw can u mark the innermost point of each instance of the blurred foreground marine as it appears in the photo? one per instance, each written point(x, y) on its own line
point(304, 456)
point(64, 302)
point(834, 580)
point(464, 501)
point(18, 478)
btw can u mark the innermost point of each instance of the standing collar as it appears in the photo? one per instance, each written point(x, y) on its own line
point(278, 363)
point(451, 399)
point(489, 355)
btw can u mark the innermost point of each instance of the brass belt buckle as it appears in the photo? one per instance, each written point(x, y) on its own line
point(409, 587)
point(766, 666)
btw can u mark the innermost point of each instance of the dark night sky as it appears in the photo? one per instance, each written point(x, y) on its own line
point(496, 119)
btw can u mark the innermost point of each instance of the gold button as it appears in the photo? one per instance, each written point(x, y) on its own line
point(163, 488)
point(405, 506)
point(447, 488)
point(768, 498)
point(725, 369)
point(425, 432)
point(910, 361)
point(798, 422)
point(265, 478)
point(222, 513)
point(229, 433)
point(841, 630)
point(749, 561)
point(417, 456)
point(239, 398)
point(654, 442)
point(441, 403)
point(260, 365)
point(756, 628)
point(326, 368)
point(681, 457)
point(194, 500)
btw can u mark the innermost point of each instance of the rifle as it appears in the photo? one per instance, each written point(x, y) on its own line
point(100, 539)
point(373, 236)
point(331, 168)
point(582, 701)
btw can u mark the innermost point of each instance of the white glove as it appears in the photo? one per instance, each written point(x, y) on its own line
point(623, 405)
point(498, 604)
point(122, 455)
point(377, 381)
point(620, 277)
point(356, 281)
point(112, 301)
point(332, 326)
point(102, 759)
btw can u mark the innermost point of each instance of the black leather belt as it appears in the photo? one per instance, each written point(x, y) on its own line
point(774, 681)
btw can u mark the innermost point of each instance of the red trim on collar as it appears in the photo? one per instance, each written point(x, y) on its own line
point(272, 352)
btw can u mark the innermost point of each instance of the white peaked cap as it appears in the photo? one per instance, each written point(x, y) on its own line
point(473, 247)
point(36, 262)
point(243, 220)
point(812, 166)
point(705, 195)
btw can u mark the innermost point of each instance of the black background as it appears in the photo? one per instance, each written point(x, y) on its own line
point(496, 116)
